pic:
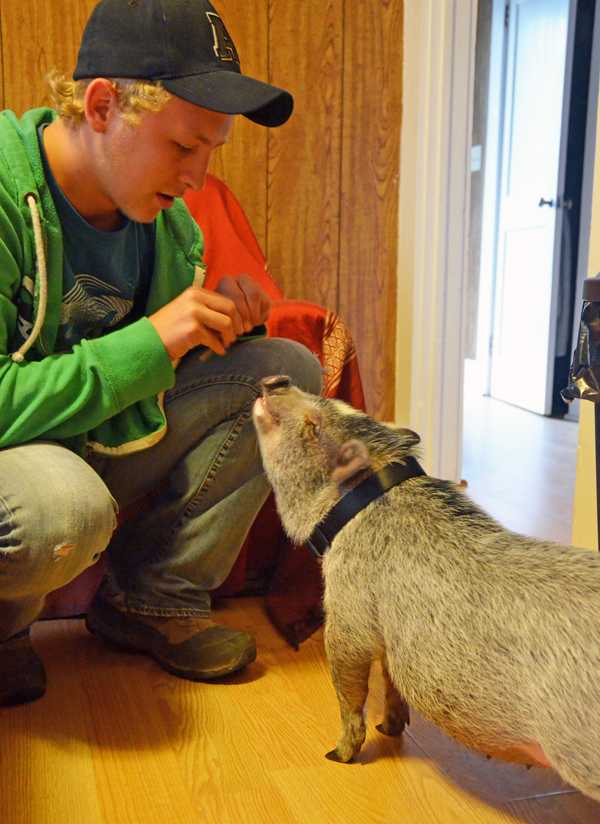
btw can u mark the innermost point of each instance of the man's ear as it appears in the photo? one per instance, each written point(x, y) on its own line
point(352, 460)
point(100, 101)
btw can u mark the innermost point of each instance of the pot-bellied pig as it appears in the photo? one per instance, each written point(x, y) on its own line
point(493, 636)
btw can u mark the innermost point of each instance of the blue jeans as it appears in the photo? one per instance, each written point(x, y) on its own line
point(58, 512)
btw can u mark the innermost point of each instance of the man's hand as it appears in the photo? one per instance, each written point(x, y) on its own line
point(197, 317)
point(253, 305)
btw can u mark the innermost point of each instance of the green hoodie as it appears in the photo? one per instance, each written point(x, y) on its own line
point(106, 394)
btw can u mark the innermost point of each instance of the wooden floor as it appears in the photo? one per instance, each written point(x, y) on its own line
point(520, 466)
point(117, 741)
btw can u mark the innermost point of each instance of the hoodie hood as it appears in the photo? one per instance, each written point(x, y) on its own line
point(22, 175)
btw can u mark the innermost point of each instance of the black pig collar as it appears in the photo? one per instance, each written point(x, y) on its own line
point(358, 499)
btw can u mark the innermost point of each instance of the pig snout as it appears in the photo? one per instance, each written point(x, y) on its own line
point(274, 383)
point(265, 416)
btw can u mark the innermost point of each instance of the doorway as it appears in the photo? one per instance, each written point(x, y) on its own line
point(533, 127)
point(528, 199)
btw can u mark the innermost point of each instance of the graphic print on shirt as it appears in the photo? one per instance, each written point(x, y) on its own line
point(89, 307)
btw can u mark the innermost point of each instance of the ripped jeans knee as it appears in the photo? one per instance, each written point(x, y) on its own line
point(56, 518)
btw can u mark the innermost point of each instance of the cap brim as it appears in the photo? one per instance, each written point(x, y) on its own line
point(232, 93)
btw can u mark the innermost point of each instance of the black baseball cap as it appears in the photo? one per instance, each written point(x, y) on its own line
point(185, 45)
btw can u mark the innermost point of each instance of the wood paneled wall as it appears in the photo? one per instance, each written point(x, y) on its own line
point(321, 191)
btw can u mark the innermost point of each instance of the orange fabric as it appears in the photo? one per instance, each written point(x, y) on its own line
point(230, 245)
point(294, 597)
point(328, 337)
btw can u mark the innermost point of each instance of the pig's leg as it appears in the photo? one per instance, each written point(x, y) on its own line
point(350, 673)
point(396, 714)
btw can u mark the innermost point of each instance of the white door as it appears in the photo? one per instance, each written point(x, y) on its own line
point(523, 346)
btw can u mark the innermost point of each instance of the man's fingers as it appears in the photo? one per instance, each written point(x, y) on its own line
point(214, 342)
point(219, 323)
point(228, 290)
point(215, 300)
point(265, 307)
point(258, 302)
point(198, 317)
point(222, 305)
point(246, 309)
point(251, 303)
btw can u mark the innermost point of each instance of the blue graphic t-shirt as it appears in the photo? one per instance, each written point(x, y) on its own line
point(105, 274)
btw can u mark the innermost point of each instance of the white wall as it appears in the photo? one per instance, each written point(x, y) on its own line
point(406, 211)
point(439, 50)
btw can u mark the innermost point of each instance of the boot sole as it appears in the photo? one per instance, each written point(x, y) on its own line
point(113, 637)
point(22, 696)
point(22, 673)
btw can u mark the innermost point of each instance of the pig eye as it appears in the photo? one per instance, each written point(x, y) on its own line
point(312, 428)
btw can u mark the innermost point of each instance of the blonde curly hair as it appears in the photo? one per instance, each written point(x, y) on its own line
point(135, 97)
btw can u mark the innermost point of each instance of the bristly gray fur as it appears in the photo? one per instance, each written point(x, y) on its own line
point(492, 635)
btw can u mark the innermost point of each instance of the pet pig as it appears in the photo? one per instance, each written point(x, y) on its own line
point(492, 636)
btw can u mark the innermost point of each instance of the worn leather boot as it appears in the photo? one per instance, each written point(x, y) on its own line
point(189, 647)
point(22, 673)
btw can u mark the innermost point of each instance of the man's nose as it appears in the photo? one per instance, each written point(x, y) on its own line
point(193, 173)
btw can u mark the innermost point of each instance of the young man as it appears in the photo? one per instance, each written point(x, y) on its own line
point(119, 374)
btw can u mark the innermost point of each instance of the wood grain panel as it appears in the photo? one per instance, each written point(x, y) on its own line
point(243, 162)
point(369, 211)
point(304, 155)
point(36, 37)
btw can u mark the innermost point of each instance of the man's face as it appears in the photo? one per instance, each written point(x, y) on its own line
point(142, 168)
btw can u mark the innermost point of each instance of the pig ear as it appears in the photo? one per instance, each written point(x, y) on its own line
point(409, 438)
point(353, 458)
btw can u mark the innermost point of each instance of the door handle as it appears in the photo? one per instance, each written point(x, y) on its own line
point(545, 202)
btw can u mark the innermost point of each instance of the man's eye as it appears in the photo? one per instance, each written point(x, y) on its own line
point(183, 148)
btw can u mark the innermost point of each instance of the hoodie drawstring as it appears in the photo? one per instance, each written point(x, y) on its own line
point(19, 355)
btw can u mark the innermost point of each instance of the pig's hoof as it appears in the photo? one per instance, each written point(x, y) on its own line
point(391, 727)
point(334, 755)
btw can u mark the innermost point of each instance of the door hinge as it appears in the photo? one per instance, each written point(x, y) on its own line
point(506, 15)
